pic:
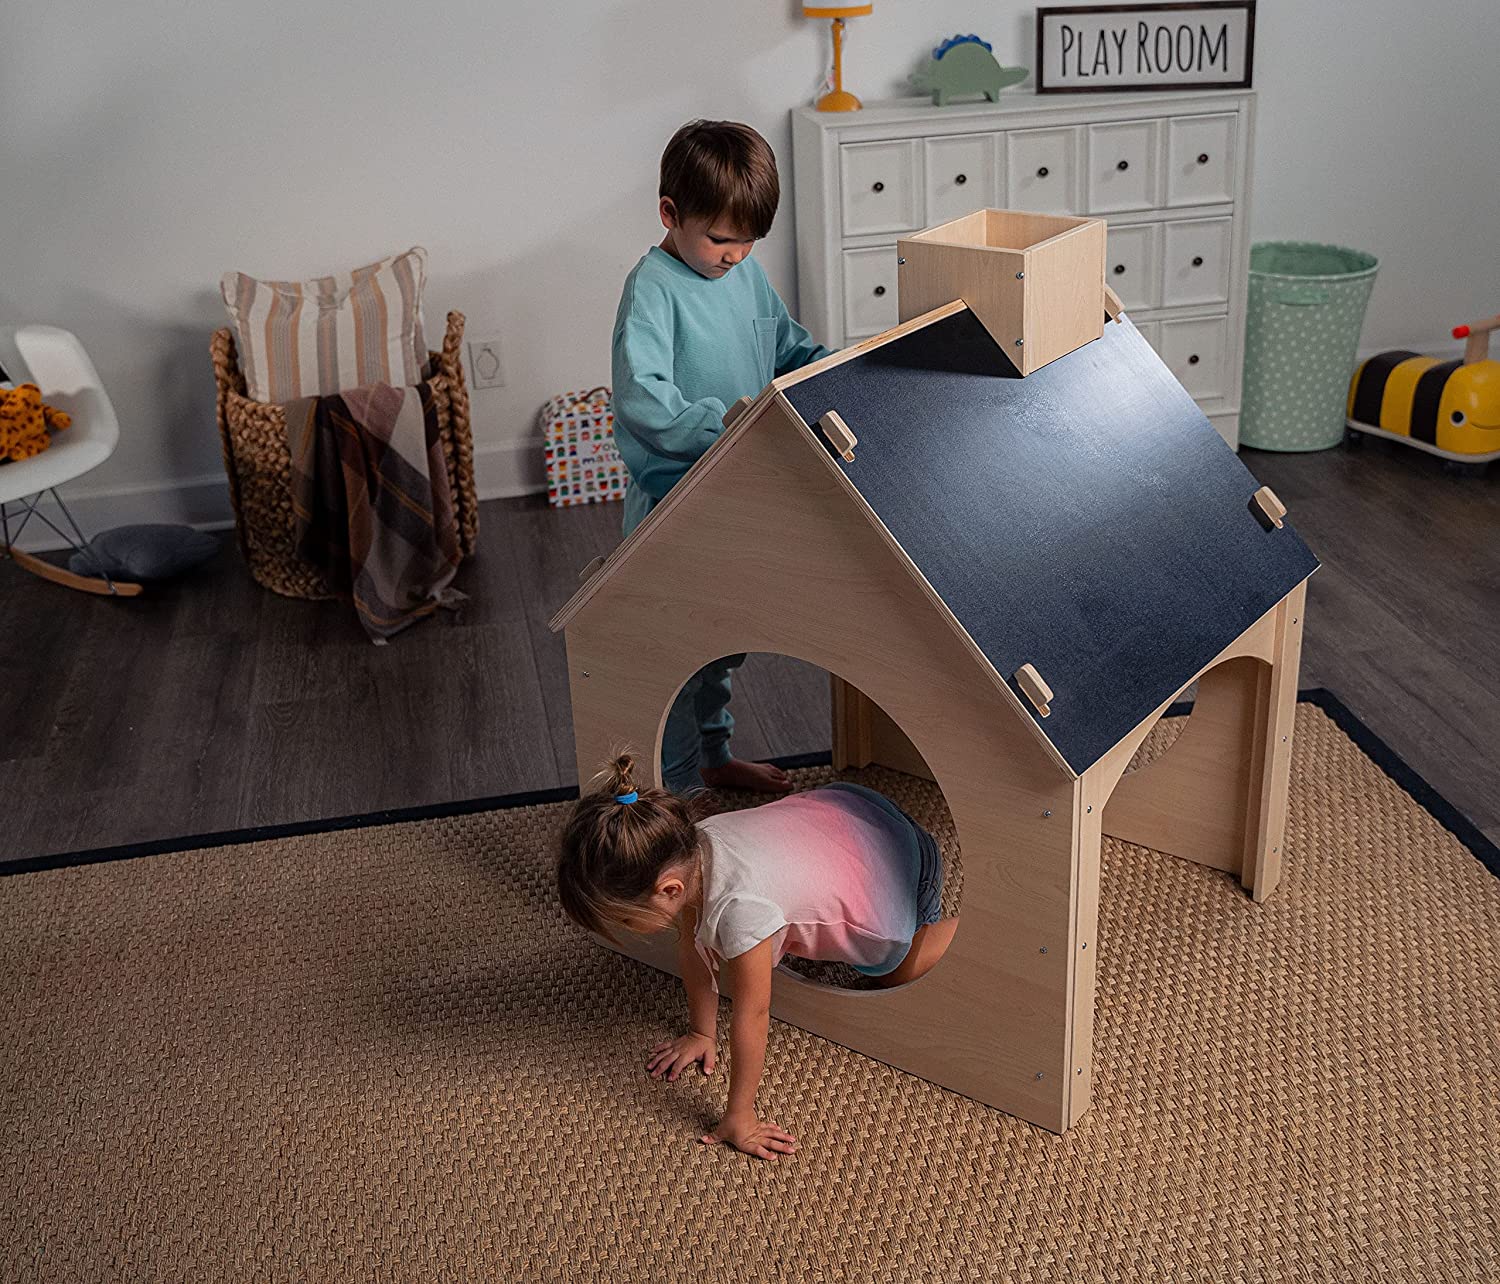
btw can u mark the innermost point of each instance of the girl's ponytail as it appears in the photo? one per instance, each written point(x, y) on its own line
point(615, 845)
point(618, 778)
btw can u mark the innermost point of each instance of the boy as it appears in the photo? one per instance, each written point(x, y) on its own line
point(699, 327)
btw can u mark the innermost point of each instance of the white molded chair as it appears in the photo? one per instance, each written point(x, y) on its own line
point(55, 361)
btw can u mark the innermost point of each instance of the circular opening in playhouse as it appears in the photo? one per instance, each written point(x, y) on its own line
point(818, 730)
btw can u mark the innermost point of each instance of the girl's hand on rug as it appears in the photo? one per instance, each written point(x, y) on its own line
point(676, 1055)
point(752, 1136)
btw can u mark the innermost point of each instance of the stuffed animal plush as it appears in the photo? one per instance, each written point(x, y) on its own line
point(26, 424)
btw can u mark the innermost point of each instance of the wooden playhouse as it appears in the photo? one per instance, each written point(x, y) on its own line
point(1014, 540)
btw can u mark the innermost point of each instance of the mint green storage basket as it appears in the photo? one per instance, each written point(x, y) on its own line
point(1306, 308)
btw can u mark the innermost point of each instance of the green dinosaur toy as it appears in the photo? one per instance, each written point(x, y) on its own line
point(965, 65)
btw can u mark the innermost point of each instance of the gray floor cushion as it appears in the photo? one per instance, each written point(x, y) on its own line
point(150, 552)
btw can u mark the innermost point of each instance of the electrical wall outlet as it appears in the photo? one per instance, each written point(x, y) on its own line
point(485, 370)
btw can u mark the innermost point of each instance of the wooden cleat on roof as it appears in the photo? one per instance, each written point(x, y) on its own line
point(839, 435)
point(1034, 689)
point(1268, 508)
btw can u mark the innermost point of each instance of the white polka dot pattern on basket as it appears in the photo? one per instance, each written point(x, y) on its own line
point(1301, 335)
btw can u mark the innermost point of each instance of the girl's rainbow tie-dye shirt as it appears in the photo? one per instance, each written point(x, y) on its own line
point(830, 874)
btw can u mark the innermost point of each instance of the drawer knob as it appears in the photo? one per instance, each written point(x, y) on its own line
point(1203, 158)
point(1043, 172)
point(1197, 260)
point(878, 187)
point(961, 179)
point(1193, 360)
point(879, 290)
point(1119, 269)
point(1123, 165)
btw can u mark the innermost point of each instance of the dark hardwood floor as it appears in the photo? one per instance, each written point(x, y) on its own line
point(210, 704)
point(1403, 620)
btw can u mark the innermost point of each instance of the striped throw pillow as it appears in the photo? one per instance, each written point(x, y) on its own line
point(332, 333)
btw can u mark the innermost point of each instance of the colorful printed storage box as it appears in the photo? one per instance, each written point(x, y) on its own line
point(583, 466)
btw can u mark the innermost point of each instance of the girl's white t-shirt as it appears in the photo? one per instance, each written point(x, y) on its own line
point(830, 874)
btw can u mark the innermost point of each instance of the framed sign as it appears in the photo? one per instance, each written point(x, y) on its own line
point(1114, 48)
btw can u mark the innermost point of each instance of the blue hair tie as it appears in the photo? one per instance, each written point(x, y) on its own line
point(627, 798)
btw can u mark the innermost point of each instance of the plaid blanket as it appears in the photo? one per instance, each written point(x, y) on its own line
point(371, 502)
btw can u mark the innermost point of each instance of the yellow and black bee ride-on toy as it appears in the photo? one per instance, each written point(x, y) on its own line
point(1447, 408)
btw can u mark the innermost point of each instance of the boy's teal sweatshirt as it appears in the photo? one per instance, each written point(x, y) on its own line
point(685, 349)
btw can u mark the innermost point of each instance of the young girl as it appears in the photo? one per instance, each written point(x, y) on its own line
point(837, 873)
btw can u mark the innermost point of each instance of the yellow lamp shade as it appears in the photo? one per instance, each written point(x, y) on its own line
point(837, 10)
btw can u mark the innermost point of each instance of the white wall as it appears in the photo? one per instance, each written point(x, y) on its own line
point(147, 146)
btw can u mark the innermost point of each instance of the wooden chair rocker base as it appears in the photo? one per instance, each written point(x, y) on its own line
point(68, 579)
point(103, 585)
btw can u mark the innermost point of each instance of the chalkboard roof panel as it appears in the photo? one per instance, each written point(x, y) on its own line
point(1086, 519)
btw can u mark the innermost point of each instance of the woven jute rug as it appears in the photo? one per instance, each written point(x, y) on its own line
point(380, 1053)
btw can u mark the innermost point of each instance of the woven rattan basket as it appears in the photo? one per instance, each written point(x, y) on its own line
point(259, 464)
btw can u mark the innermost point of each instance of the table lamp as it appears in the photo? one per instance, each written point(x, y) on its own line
point(837, 99)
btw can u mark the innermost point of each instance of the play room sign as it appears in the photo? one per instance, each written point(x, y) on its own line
point(1121, 47)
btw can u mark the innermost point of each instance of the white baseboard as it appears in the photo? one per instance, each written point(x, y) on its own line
point(505, 471)
point(511, 470)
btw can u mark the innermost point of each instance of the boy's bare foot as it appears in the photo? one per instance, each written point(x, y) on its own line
point(756, 777)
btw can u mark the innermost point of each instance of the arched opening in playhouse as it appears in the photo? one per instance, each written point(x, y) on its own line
point(1206, 752)
point(819, 728)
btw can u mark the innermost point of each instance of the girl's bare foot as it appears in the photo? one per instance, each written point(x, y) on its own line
point(756, 777)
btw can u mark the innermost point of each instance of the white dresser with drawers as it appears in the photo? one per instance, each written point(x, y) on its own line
point(1170, 173)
